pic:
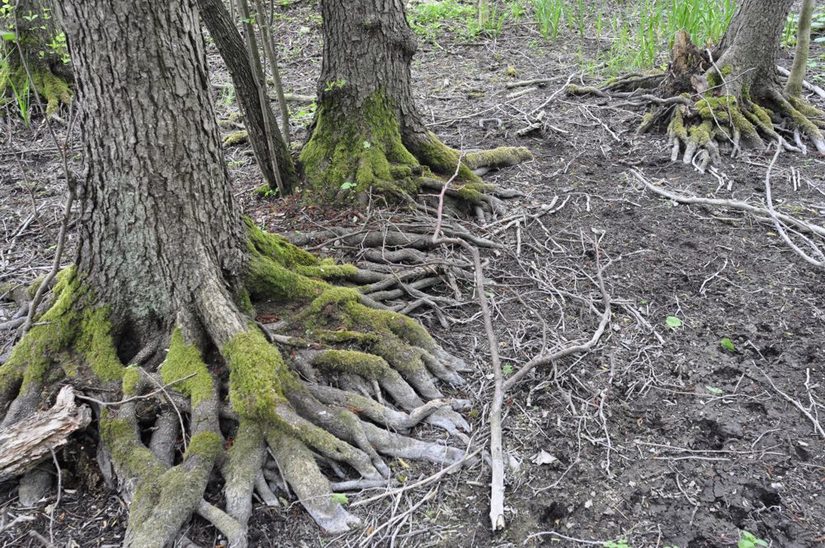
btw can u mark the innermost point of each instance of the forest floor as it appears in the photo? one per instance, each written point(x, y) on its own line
point(660, 436)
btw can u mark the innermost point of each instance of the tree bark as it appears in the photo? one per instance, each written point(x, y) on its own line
point(368, 131)
point(752, 41)
point(257, 116)
point(803, 45)
point(158, 221)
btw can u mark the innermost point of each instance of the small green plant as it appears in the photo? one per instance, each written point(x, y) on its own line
point(616, 544)
point(549, 17)
point(266, 191)
point(227, 96)
point(428, 19)
point(335, 84)
point(347, 185)
point(727, 344)
point(749, 540)
point(22, 99)
point(507, 369)
point(673, 322)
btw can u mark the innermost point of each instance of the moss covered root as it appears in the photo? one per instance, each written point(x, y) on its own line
point(53, 90)
point(352, 157)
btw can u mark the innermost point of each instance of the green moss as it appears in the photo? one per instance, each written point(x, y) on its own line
point(267, 279)
point(121, 439)
point(327, 270)
point(244, 301)
point(31, 291)
point(131, 381)
point(205, 445)
point(257, 375)
point(184, 360)
point(801, 120)
point(277, 247)
point(713, 76)
point(359, 363)
point(97, 346)
point(51, 89)
point(359, 154)
point(345, 336)
point(236, 138)
point(806, 108)
point(442, 159)
point(497, 157)
point(677, 124)
point(33, 356)
point(701, 134)
point(763, 114)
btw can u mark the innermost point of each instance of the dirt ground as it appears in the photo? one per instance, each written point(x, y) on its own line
point(661, 436)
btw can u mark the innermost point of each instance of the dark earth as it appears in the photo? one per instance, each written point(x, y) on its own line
point(662, 435)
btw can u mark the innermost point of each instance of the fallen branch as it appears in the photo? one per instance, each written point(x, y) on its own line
point(732, 204)
point(26, 443)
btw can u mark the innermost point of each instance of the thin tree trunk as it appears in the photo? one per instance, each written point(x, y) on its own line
point(257, 114)
point(272, 57)
point(803, 46)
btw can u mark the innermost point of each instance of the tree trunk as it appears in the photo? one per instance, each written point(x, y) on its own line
point(257, 116)
point(158, 221)
point(751, 44)
point(160, 283)
point(803, 45)
point(367, 130)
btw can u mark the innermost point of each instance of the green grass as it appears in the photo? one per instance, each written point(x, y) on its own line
point(638, 34)
point(432, 19)
point(641, 36)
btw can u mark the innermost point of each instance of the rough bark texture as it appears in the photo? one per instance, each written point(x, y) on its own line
point(147, 247)
point(235, 55)
point(368, 47)
point(751, 43)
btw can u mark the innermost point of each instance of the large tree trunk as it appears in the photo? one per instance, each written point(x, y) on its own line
point(161, 279)
point(158, 219)
point(367, 130)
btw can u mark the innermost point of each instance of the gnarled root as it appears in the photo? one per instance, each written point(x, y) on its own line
point(355, 382)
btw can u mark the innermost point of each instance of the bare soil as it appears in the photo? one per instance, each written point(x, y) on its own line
point(661, 436)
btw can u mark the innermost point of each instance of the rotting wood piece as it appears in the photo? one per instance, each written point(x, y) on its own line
point(26, 443)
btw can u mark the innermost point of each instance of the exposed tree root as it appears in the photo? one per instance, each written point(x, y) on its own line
point(353, 382)
point(704, 106)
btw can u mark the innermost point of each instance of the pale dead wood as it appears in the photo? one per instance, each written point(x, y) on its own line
point(31, 440)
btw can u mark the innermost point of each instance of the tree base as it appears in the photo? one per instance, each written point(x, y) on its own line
point(353, 156)
point(738, 113)
point(352, 380)
point(16, 85)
